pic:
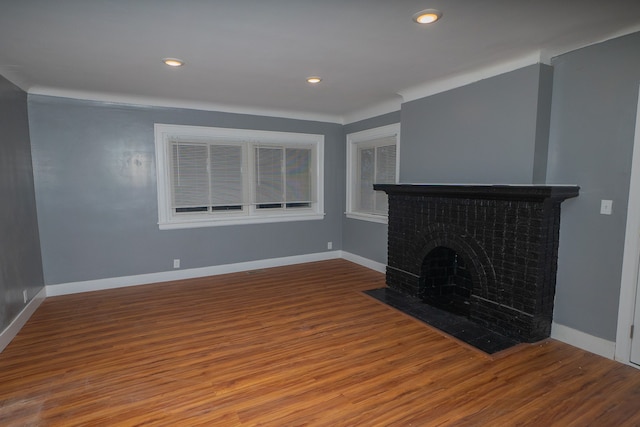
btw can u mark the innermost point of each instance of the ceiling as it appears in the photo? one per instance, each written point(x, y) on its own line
point(253, 56)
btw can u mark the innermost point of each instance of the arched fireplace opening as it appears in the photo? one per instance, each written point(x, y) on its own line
point(445, 281)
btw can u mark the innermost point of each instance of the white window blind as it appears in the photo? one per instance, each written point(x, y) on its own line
point(217, 176)
point(190, 186)
point(227, 190)
point(298, 176)
point(377, 165)
point(269, 177)
point(371, 159)
point(283, 177)
point(385, 173)
point(367, 174)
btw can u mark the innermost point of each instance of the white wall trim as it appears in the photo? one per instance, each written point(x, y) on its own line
point(368, 217)
point(14, 74)
point(192, 273)
point(570, 47)
point(14, 327)
point(119, 98)
point(559, 332)
point(631, 255)
point(167, 276)
point(582, 340)
point(389, 106)
point(463, 79)
point(365, 262)
point(562, 333)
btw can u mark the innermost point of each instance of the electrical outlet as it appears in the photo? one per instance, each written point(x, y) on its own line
point(176, 263)
point(24, 296)
point(606, 207)
point(329, 245)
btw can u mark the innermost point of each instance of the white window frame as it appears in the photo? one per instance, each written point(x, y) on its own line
point(165, 134)
point(354, 141)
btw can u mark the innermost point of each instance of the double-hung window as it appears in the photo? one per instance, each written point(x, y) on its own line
point(218, 176)
point(372, 158)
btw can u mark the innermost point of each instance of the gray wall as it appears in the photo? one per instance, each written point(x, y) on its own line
point(487, 132)
point(98, 212)
point(592, 130)
point(20, 263)
point(365, 238)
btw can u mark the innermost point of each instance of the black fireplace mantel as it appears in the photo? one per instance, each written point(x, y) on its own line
point(523, 192)
point(507, 235)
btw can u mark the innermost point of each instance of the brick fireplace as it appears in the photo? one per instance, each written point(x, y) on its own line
point(486, 252)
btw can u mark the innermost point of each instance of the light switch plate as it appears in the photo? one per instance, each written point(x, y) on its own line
point(606, 207)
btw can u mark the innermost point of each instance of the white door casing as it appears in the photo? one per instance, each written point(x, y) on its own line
point(631, 261)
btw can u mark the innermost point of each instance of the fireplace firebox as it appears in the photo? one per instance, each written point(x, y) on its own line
point(486, 252)
point(445, 281)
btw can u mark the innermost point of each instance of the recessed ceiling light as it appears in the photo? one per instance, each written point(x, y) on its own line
point(314, 80)
point(427, 16)
point(173, 62)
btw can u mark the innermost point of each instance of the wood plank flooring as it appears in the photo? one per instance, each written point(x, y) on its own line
point(288, 346)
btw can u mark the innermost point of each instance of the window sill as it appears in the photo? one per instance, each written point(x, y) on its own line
point(368, 217)
point(196, 223)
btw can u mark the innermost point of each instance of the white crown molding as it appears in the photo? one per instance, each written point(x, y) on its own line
point(575, 46)
point(543, 56)
point(14, 74)
point(16, 324)
point(379, 109)
point(176, 103)
point(462, 79)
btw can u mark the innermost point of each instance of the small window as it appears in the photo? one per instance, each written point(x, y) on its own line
point(216, 176)
point(372, 158)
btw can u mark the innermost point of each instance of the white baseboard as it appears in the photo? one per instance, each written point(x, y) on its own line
point(584, 341)
point(365, 262)
point(14, 327)
point(562, 333)
point(167, 276)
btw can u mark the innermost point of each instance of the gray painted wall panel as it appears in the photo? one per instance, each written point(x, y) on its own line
point(591, 142)
point(543, 123)
point(364, 238)
point(98, 207)
point(20, 262)
point(483, 133)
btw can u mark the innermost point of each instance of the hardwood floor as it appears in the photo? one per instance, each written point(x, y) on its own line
point(288, 346)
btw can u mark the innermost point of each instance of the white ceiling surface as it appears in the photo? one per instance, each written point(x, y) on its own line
point(254, 55)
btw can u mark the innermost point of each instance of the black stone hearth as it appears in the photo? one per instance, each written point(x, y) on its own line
point(486, 254)
point(459, 327)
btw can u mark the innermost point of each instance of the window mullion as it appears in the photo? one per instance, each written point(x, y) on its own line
point(209, 206)
point(283, 174)
point(375, 175)
point(247, 177)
